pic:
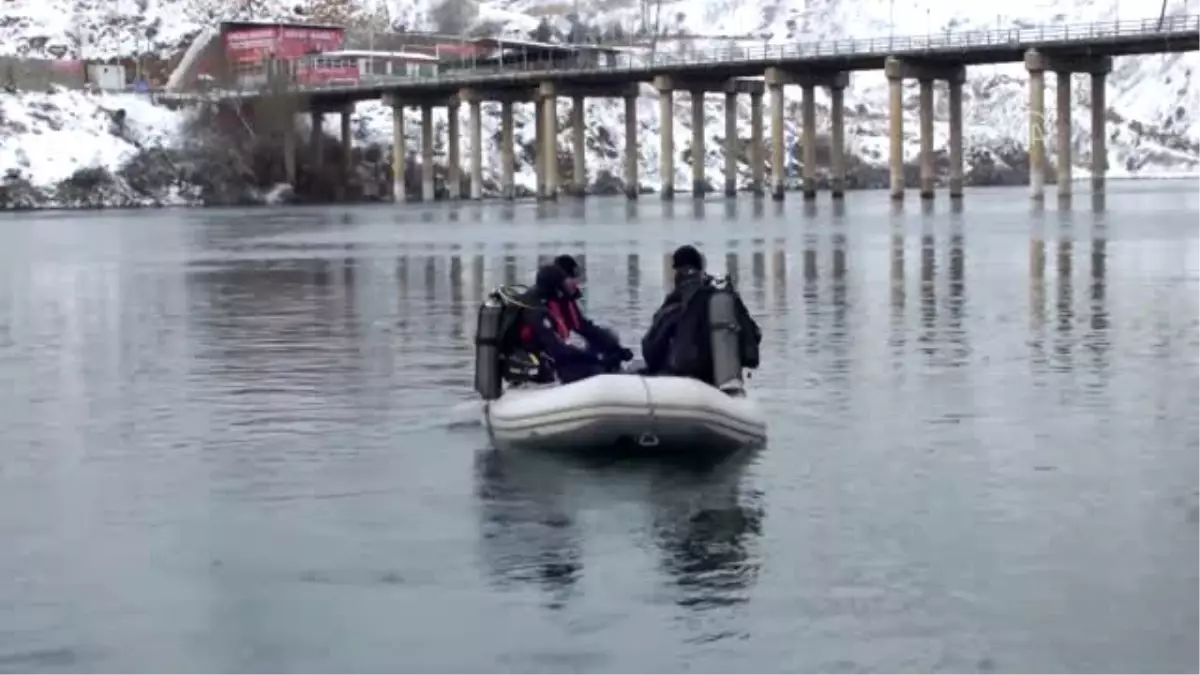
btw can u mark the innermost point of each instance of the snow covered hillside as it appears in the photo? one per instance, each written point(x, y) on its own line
point(48, 140)
point(1154, 117)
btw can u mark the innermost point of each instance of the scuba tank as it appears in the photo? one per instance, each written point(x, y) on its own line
point(488, 377)
point(499, 316)
point(725, 338)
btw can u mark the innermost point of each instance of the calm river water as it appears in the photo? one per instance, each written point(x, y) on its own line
point(233, 441)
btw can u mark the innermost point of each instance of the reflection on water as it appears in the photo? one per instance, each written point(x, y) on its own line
point(706, 526)
point(1064, 299)
point(532, 527)
point(527, 533)
point(1037, 275)
point(1099, 243)
point(1066, 296)
point(633, 279)
point(812, 311)
point(897, 264)
point(928, 287)
point(983, 437)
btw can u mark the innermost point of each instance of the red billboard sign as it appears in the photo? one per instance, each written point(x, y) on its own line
point(296, 42)
point(458, 49)
point(327, 73)
point(249, 45)
point(288, 43)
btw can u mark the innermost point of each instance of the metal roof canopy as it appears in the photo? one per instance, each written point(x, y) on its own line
point(368, 54)
point(531, 45)
point(238, 25)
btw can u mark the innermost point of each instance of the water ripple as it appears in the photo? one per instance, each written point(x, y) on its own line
point(249, 443)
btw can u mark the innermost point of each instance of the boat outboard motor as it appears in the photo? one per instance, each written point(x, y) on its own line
point(488, 377)
point(726, 339)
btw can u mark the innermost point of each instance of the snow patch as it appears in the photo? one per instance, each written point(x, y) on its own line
point(1153, 125)
point(47, 137)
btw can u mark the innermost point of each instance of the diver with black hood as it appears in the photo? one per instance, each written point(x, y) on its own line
point(552, 327)
point(680, 340)
point(609, 342)
point(567, 263)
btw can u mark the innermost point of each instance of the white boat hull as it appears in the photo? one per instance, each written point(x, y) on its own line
point(613, 410)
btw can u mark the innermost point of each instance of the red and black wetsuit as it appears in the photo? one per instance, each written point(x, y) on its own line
point(547, 329)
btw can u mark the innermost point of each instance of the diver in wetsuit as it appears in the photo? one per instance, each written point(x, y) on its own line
point(568, 264)
point(554, 329)
point(679, 340)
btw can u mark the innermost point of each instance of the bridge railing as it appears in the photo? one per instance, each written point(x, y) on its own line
point(632, 61)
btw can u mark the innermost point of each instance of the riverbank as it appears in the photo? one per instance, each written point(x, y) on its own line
point(71, 149)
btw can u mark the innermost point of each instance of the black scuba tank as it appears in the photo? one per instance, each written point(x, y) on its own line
point(725, 340)
point(488, 367)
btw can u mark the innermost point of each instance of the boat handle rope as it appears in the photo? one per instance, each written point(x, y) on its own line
point(649, 439)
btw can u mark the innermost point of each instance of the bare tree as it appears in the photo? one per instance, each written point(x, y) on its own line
point(378, 19)
point(486, 29)
point(651, 11)
point(338, 12)
point(454, 17)
point(75, 35)
point(544, 31)
point(212, 12)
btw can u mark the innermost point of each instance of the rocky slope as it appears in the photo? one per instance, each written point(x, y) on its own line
point(1154, 121)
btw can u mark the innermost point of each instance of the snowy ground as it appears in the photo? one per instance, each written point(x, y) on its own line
point(1153, 128)
point(48, 137)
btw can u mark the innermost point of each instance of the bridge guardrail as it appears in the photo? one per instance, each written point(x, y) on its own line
point(880, 46)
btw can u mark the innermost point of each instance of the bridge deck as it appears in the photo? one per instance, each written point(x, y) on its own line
point(1124, 38)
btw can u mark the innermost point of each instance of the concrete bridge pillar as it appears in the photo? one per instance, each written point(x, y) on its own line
point(1099, 120)
point(731, 144)
point(1062, 141)
point(958, 77)
point(578, 147)
point(925, 115)
point(698, 152)
point(315, 146)
point(808, 118)
point(507, 187)
point(837, 141)
point(775, 81)
point(1036, 64)
point(399, 194)
point(548, 99)
point(347, 144)
point(666, 121)
point(539, 144)
point(836, 83)
point(756, 143)
point(894, 70)
point(631, 147)
point(897, 71)
point(427, 175)
point(475, 122)
point(453, 162)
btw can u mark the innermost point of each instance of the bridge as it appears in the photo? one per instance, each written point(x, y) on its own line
point(753, 71)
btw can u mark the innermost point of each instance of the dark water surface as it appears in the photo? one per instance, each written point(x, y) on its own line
point(230, 443)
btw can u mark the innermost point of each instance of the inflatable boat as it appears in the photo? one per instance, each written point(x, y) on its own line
point(604, 411)
point(618, 409)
